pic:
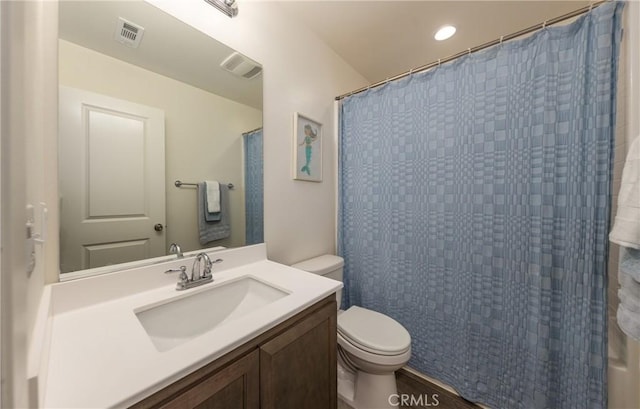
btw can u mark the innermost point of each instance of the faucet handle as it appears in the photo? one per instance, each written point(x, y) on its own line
point(209, 265)
point(183, 280)
point(182, 269)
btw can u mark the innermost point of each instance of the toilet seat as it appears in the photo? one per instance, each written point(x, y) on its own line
point(373, 332)
point(383, 361)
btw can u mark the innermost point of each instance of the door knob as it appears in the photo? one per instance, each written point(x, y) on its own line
point(158, 227)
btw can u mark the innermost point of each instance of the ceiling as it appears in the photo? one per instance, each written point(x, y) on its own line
point(380, 39)
point(169, 47)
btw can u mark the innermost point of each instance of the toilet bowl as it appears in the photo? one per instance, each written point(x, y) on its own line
point(371, 346)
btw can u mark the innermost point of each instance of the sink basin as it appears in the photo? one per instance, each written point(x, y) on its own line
point(180, 320)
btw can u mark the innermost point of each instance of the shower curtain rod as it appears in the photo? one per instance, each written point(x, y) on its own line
point(251, 131)
point(480, 47)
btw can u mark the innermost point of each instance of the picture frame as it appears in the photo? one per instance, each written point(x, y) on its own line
point(307, 148)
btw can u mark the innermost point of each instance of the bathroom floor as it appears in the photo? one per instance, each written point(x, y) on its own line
point(414, 386)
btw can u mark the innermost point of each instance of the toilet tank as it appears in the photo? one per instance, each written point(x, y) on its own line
point(329, 266)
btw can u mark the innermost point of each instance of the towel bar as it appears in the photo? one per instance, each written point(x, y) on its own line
point(179, 183)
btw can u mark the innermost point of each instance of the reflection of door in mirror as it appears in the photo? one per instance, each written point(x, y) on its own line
point(111, 180)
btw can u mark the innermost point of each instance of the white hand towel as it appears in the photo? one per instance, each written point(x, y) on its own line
point(213, 196)
point(628, 322)
point(626, 228)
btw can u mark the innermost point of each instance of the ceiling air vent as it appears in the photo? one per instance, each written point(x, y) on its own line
point(241, 66)
point(128, 33)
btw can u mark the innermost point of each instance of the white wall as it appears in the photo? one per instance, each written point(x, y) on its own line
point(616, 338)
point(632, 24)
point(203, 134)
point(301, 73)
point(29, 175)
point(624, 352)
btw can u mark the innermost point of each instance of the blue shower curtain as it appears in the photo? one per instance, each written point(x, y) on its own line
point(254, 187)
point(474, 209)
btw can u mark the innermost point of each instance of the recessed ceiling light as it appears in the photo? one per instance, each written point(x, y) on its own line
point(444, 32)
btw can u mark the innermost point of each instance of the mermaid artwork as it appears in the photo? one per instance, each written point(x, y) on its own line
point(309, 137)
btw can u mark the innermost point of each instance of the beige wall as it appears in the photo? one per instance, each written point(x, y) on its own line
point(301, 74)
point(203, 134)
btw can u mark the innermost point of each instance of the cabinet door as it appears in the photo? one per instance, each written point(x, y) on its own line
point(298, 368)
point(236, 386)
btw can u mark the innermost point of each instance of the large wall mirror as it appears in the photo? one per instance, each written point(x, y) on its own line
point(145, 102)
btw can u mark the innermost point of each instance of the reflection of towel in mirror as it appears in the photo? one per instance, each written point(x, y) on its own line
point(212, 201)
point(212, 217)
point(213, 230)
point(213, 196)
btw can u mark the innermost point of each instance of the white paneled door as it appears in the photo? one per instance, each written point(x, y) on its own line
point(112, 180)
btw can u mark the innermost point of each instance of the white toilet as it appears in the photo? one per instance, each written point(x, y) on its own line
point(371, 346)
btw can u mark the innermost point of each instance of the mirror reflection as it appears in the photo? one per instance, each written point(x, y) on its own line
point(145, 101)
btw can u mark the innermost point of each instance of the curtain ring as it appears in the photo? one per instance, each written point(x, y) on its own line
point(469, 49)
point(439, 62)
point(501, 39)
point(544, 25)
point(590, 6)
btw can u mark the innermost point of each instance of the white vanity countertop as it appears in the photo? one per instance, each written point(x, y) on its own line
point(100, 355)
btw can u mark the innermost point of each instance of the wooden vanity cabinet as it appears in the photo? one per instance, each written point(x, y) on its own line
point(234, 386)
point(291, 366)
point(298, 368)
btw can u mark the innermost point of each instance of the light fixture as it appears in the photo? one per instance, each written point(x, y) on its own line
point(444, 32)
point(228, 7)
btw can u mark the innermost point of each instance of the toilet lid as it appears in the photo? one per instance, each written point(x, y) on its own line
point(373, 331)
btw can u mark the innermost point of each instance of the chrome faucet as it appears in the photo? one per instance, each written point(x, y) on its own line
point(207, 267)
point(175, 249)
point(202, 276)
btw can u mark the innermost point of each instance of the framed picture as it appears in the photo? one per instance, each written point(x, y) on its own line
point(307, 148)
